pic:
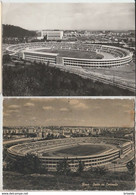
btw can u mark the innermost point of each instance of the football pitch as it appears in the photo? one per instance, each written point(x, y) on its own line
point(73, 54)
point(79, 150)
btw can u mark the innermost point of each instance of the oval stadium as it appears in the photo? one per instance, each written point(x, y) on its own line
point(71, 54)
point(92, 151)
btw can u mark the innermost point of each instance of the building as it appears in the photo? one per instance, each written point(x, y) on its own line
point(54, 35)
point(118, 149)
point(31, 52)
point(50, 35)
point(40, 57)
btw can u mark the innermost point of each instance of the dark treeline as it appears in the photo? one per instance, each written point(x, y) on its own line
point(15, 31)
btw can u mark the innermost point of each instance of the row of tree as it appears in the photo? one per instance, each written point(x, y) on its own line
point(30, 163)
point(63, 167)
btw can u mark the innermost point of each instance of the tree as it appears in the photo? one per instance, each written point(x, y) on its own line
point(48, 63)
point(131, 167)
point(6, 58)
point(31, 163)
point(28, 164)
point(102, 170)
point(63, 167)
point(80, 167)
point(99, 170)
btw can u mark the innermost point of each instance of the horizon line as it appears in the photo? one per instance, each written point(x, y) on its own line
point(70, 126)
point(71, 29)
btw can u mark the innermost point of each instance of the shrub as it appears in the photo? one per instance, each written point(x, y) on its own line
point(63, 167)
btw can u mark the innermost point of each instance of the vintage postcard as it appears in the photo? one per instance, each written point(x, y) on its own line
point(68, 144)
point(68, 49)
point(56, 136)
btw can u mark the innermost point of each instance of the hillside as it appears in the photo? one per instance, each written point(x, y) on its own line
point(15, 31)
point(41, 80)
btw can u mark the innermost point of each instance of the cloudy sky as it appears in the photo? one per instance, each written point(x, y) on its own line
point(90, 16)
point(76, 112)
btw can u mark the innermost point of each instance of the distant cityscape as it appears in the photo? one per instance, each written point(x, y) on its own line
point(120, 38)
point(51, 132)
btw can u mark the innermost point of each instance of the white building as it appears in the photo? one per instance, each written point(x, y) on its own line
point(50, 35)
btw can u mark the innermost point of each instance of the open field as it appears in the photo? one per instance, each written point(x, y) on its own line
point(73, 54)
point(80, 150)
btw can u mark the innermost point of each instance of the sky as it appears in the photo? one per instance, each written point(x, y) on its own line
point(80, 16)
point(68, 112)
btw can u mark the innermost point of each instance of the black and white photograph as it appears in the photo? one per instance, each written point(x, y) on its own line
point(68, 49)
point(67, 97)
point(68, 144)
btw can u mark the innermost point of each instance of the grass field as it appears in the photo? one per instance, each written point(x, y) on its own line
point(81, 150)
point(74, 54)
point(51, 181)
